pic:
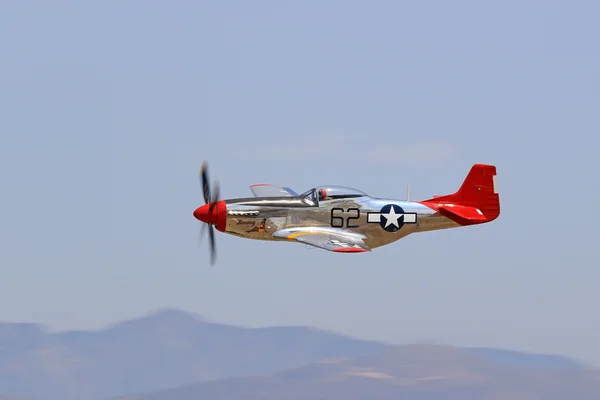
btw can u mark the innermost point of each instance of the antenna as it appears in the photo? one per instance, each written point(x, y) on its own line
point(407, 192)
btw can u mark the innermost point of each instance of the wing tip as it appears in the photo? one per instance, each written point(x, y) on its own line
point(349, 250)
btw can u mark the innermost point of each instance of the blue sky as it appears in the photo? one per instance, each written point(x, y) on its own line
point(108, 110)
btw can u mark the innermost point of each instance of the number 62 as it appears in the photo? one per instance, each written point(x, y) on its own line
point(338, 222)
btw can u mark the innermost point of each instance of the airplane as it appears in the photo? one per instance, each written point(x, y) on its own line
point(342, 219)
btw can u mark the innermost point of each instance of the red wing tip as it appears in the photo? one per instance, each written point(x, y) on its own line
point(261, 184)
point(349, 250)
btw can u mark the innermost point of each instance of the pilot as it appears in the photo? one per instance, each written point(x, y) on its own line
point(323, 195)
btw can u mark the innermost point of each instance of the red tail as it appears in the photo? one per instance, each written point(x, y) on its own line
point(476, 201)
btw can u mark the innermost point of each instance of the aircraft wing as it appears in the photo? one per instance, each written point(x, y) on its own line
point(268, 190)
point(331, 239)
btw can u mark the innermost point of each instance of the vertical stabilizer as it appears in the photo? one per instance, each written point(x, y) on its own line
point(476, 201)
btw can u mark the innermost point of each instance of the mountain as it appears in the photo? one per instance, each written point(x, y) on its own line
point(415, 372)
point(525, 360)
point(163, 350)
point(171, 348)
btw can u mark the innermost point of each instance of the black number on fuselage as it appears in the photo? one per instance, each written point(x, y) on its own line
point(338, 222)
point(349, 218)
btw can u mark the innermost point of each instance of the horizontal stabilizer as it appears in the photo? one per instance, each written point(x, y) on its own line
point(462, 214)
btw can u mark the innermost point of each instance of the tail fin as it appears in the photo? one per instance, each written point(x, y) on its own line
point(475, 202)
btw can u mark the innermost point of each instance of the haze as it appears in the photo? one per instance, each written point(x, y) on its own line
point(108, 109)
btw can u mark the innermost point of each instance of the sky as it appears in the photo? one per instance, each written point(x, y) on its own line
point(107, 110)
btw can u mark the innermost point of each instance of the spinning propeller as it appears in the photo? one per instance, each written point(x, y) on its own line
point(209, 213)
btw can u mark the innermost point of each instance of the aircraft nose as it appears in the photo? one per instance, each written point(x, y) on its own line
point(217, 216)
point(201, 213)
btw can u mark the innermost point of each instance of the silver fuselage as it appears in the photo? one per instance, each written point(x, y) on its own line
point(259, 217)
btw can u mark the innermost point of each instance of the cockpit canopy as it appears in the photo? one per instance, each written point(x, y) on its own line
point(330, 192)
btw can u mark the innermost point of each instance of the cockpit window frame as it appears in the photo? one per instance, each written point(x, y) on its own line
point(343, 192)
point(313, 196)
point(310, 198)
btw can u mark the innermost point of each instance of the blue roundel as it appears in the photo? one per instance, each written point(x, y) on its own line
point(392, 217)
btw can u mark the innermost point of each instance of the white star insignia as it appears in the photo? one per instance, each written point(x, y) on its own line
point(392, 218)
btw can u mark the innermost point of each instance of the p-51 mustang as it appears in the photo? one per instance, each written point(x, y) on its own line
point(346, 220)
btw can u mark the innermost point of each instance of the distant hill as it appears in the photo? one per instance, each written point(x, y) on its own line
point(417, 372)
point(166, 349)
point(170, 349)
point(525, 360)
